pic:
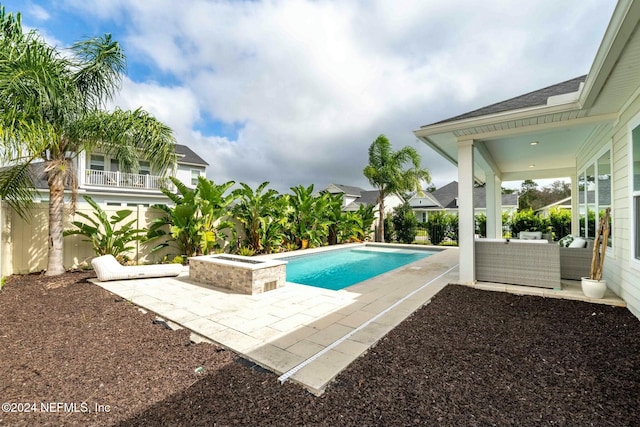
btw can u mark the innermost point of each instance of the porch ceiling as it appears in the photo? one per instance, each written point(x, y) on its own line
point(563, 125)
point(507, 150)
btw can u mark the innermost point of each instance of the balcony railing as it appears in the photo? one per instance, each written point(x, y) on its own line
point(125, 180)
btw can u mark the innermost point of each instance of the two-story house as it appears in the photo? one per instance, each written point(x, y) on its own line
point(99, 177)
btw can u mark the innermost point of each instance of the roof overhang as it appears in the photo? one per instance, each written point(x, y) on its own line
point(544, 141)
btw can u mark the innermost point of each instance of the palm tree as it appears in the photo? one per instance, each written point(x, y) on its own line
point(52, 109)
point(386, 172)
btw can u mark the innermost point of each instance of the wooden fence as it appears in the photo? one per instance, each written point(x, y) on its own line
point(24, 247)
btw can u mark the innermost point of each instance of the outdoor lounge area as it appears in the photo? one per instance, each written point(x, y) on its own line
point(531, 262)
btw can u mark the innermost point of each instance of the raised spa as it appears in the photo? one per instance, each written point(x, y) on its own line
point(238, 273)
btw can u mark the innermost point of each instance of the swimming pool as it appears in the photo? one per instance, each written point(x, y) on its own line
point(337, 269)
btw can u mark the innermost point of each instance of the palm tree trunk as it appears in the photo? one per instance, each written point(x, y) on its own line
point(56, 210)
point(381, 219)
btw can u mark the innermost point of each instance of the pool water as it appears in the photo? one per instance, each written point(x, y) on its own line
point(338, 269)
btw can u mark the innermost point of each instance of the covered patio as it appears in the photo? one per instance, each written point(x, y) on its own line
point(534, 136)
point(585, 129)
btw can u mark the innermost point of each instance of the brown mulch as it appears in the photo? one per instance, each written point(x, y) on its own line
point(470, 358)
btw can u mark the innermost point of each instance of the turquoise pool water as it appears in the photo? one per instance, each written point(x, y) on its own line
point(338, 269)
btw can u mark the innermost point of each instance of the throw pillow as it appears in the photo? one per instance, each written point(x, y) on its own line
point(530, 235)
point(566, 241)
point(578, 242)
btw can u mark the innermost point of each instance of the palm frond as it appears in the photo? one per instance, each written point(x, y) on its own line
point(100, 66)
point(16, 187)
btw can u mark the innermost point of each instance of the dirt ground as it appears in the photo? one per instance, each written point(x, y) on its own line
point(73, 354)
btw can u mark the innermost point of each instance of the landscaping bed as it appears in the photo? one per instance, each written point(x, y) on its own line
point(470, 357)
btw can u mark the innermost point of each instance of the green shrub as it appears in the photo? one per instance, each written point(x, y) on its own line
point(405, 223)
point(388, 229)
point(481, 225)
point(560, 222)
point(527, 220)
point(246, 251)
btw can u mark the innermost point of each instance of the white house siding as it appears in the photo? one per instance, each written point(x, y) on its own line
point(622, 275)
point(183, 173)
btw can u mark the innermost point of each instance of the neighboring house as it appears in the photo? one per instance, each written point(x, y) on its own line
point(587, 128)
point(99, 177)
point(424, 204)
point(445, 199)
point(353, 197)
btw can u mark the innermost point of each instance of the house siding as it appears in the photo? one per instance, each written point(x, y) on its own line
point(620, 271)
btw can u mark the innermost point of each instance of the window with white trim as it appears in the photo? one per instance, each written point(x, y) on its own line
point(595, 194)
point(194, 176)
point(635, 149)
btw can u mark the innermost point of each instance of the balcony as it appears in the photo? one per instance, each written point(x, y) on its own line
point(136, 181)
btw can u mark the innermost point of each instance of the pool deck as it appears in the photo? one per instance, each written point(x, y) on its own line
point(302, 333)
point(306, 334)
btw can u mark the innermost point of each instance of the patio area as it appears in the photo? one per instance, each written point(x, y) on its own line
point(306, 334)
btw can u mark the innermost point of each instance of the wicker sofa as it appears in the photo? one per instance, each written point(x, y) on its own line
point(518, 262)
point(575, 263)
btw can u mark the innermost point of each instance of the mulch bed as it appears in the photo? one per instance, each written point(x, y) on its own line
point(470, 358)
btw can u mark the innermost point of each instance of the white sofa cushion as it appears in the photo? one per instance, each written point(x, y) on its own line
point(578, 242)
point(530, 235)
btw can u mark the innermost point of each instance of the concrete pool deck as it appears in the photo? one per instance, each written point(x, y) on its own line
point(305, 334)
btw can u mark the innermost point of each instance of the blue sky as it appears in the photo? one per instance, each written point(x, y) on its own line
point(294, 92)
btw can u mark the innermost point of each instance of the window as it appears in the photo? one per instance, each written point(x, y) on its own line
point(145, 168)
point(604, 189)
point(96, 162)
point(635, 148)
point(595, 194)
point(194, 176)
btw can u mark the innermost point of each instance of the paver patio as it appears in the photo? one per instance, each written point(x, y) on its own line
point(303, 333)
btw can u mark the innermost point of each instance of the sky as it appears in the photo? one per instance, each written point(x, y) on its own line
point(295, 91)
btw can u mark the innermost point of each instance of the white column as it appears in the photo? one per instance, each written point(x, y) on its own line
point(465, 212)
point(493, 189)
point(575, 206)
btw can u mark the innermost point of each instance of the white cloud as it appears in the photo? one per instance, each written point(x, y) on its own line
point(313, 83)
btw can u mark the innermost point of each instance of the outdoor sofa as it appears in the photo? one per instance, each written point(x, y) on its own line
point(575, 263)
point(108, 268)
point(518, 262)
point(532, 265)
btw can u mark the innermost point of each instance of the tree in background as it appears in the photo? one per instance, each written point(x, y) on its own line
point(527, 195)
point(51, 110)
point(386, 172)
point(533, 198)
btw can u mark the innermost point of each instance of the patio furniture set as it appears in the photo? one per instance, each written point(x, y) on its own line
point(531, 260)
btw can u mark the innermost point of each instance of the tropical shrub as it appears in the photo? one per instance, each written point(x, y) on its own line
point(196, 224)
point(405, 223)
point(107, 235)
point(361, 221)
point(246, 251)
point(261, 214)
point(306, 216)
